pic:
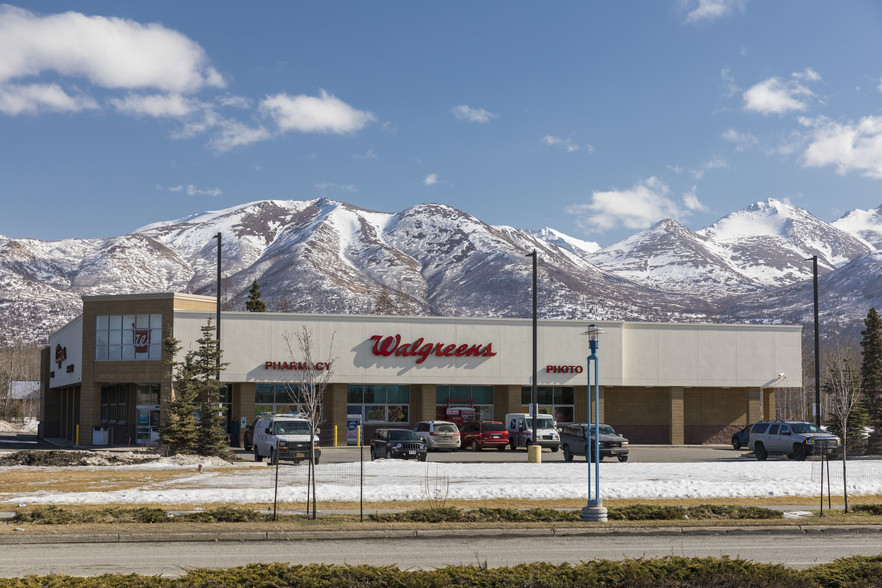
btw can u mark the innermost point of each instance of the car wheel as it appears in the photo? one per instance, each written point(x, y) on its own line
point(736, 443)
point(385, 453)
point(566, 452)
point(760, 451)
point(799, 452)
point(476, 446)
point(500, 448)
point(273, 457)
point(373, 455)
point(423, 457)
point(257, 456)
point(623, 458)
point(554, 449)
point(511, 444)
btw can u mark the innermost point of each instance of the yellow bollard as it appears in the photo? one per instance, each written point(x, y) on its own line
point(77, 435)
point(335, 435)
point(358, 436)
point(534, 454)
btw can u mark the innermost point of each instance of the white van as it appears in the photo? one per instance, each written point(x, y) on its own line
point(285, 437)
point(520, 430)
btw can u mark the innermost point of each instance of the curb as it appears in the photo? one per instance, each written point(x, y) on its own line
point(241, 536)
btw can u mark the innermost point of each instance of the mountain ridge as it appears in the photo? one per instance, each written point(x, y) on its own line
point(432, 259)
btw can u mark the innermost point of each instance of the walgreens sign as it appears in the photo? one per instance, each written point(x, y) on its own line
point(391, 346)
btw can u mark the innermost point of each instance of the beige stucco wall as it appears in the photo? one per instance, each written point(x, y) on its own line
point(630, 354)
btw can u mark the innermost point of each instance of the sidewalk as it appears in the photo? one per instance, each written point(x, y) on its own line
point(589, 530)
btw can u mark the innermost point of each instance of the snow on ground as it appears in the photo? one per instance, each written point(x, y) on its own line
point(386, 480)
point(26, 426)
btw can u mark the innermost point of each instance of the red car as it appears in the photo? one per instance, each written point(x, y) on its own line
point(481, 434)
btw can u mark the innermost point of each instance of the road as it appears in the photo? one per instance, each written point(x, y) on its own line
point(172, 559)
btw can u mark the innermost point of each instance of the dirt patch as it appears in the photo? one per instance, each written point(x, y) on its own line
point(72, 458)
point(60, 458)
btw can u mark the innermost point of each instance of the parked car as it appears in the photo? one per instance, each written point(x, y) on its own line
point(480, 434)
point(284, 437)
point(740, 438)
point(795, 439)
point(397, 444)
point(438, 434)
point(578, 439)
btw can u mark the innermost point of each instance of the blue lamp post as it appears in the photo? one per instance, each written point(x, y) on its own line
point(594, 510)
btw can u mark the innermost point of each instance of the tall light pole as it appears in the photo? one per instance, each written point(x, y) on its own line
point(533, 395)
point(594, 511)
point(218, 330)
point(814, 260)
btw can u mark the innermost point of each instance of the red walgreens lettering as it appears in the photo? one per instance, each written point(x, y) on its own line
point(391, 345)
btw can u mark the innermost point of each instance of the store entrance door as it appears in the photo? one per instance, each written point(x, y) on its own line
point(147, 424)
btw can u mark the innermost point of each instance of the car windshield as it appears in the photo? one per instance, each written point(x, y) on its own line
point(805, 428)
point(402, 435)
point(291, 428)
point(604, 429)
point(494, 427)
point(543, 424)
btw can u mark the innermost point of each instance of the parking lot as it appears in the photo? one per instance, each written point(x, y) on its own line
point(639, 454)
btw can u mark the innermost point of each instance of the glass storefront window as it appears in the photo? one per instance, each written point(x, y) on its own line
point(276, 399)
point(554, 400)
point(478, 397)
point(128, 337)
point(379, 403)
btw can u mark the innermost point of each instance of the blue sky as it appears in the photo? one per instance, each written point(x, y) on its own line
point(594, 118)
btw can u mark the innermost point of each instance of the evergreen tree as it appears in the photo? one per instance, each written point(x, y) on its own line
point(179, 431)
point(197, 392)
point(255, 304)
point(871, 373)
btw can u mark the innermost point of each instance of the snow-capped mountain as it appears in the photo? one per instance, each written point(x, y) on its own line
point(866, 224)
point(670, 257)
point(770, 241)
point(325, 256)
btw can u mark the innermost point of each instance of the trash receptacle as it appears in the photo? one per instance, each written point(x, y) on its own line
point(99, 435)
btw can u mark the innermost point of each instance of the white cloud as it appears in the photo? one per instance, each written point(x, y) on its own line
point(807, 74)
point(467, 113)
point(34, 98)
point(431, 180)
point(369, 154)
point(742, 140)
point(234, 101)
point(566, 144)
point(309, 114)
point(111, 53)
point(711, 9)
point(691, 201)
point(849, 147)
point(639, 207)
point(715, 163)
point(192, 190)
point(332, 187)
point(728, 82)
point(234, 134)
point(157, 105)
point(772, 96)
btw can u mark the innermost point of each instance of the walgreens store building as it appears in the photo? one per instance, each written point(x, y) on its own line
point(107, 381)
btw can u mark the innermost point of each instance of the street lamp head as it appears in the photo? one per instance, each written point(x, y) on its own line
point(594, 332)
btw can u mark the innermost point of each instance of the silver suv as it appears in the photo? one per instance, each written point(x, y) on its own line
point(795, 439)
point(438, 434)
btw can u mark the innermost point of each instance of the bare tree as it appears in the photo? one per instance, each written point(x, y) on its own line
point(307, 392)
point(843, 387)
